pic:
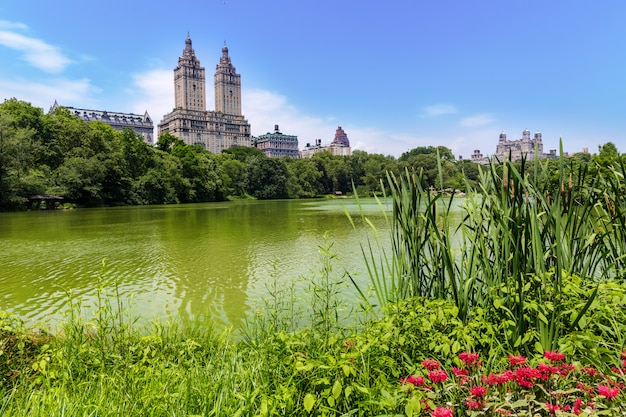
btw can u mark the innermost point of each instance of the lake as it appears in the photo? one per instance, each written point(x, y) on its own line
point(195, 261)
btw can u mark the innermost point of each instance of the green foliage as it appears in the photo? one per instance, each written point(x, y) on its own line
point(519, 238)
point(266, 178)
point(19, 348)
point(102, 362)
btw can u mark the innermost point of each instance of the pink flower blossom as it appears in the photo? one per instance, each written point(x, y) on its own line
point(525, 377)
point(552, 409)
point(470, 359)
point(498, 379)
point(554, 356)
point(578, 403)
point(431, 364)
point(517, 360)
point(607, 392)
point(443, 412)
point(438, 375)
point(478, 391)
point(473, 404)
point(416, 380)
point(589, 370)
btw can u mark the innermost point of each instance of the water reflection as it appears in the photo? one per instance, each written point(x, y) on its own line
point(184, 262)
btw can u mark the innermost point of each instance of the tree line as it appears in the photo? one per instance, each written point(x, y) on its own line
point(92, 164)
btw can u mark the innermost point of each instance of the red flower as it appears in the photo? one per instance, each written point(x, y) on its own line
point(498, 379)
point(589, 370)
point(578, 403)
point(584, 388)
point(473, 404)
point(478, 391)
point(431, 364)
point(438, 375)
point(443, 412)
point(517, 360)
point(566, 368)
point(470, 359)
point(525, 376)
point(624, 354)
point(552, 409)
point(608, 393)
point(460, 372)
point(546, 370)
point(554, 356)
point(416, 380)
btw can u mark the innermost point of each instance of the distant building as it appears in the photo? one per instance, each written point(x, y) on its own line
point(118, 121)
point(278, 144)
point(310, 150)
point(516, 149)
point(339, 146)
point(520, 147)
point(478, 158)
point(190, 121)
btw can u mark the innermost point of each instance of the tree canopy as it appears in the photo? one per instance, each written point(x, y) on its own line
point(92, 164)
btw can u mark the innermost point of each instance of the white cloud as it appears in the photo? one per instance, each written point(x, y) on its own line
point(36, 52)
point(40, 94)
point(154, 93)
point(12, 25)
point(264, 109)
point(438, 110)
point(477, 121)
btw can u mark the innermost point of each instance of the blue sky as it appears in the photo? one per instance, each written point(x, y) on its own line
point(394, 74)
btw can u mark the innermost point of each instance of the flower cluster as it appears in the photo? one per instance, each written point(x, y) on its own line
point(553, 385)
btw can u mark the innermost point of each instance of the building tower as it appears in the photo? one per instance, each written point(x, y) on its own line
point(278, 144)
point(190, 121)
point(341, 138)
point(189, 82)
point(227, 86)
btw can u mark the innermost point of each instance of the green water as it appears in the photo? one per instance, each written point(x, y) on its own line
point(184, 262)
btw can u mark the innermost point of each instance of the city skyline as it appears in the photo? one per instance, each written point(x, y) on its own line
point(396, 75)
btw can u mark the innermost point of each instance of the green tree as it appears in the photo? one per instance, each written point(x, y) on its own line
point(80, 180)
point(167, 141)
point(233, 175)
point(199, 168)
point(266, 178)
point(163, 183)
point(444, 153)
point(19, 176)
point(243, 153)
point(303, 178)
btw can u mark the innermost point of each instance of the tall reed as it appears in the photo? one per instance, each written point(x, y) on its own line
point(518, 230)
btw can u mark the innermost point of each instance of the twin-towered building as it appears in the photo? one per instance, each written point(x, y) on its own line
point(190, 121)
point(226, 126)
point(214, 130)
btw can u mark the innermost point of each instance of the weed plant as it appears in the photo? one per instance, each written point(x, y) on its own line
point(518, 239)
point(531, 273)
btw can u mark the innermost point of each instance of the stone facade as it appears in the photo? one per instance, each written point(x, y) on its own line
point(478, 158)
point(339, 146)
point(520, 147)
point(118, 121)
point(278, 144)
point(190, 121)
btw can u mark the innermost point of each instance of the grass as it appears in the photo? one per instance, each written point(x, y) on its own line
point(529, 270)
